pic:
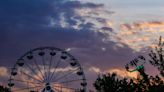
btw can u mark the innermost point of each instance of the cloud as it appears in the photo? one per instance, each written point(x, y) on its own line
point(95, 69)
point(138, 35)
point(3, 72)
point(123, 73)
point(143, 25)
point(49, 15)
point(119, 71)
point(29, 24)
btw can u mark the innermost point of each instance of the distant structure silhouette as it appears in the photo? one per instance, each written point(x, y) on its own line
point(138, 65)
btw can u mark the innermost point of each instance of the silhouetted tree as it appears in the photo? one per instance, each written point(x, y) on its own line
point(111, 83)
point(4, 89)
point(157, 57)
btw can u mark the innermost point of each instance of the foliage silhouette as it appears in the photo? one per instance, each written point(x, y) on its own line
point(157, 57)
point(112, 83)
point(4, 89)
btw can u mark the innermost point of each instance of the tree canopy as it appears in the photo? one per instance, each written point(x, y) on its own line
point(111, 83)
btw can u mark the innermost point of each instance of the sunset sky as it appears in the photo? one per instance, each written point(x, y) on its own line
point(102, 34)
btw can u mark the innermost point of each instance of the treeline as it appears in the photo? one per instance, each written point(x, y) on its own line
point(111, 83)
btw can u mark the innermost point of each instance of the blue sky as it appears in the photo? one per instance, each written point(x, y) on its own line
point(107, 27)
point(128, 10)
point(138, 9)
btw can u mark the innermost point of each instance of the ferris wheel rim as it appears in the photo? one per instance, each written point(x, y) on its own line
point(56, 49)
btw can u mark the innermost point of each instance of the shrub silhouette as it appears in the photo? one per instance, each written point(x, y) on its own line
point(4, 89)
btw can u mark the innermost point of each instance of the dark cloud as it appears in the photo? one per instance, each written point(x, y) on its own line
point(36, 13)
point(107, 28)
point(26, 24)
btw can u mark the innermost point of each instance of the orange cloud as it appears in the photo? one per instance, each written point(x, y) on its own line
point(140, 35)
point(144, 39)
point(3, 71)
point(137, 35)
point(119, 71)
point(123, 73)
point(142, 25)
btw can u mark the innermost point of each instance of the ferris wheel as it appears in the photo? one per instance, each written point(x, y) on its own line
point(47, 69)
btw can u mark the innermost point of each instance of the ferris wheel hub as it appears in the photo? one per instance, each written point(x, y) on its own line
point(48, 88)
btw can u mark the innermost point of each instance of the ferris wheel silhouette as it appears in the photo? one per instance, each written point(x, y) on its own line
point(47, 69)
